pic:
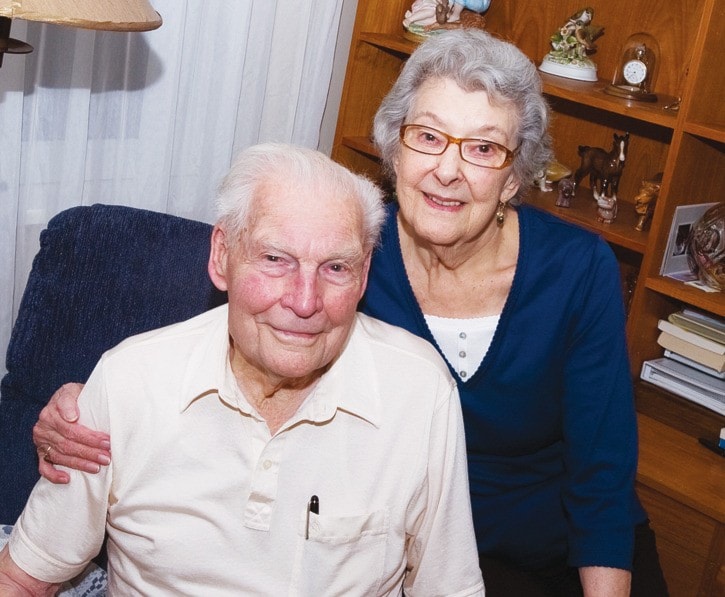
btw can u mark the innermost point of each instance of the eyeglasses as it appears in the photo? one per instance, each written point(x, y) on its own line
point(478, 152)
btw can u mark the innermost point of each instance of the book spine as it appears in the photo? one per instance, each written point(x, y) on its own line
point(691, 337)
point(653, 373)
point(694, 364)
point(691, 351)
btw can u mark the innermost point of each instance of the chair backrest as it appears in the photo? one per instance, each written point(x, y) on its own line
point(103, 273)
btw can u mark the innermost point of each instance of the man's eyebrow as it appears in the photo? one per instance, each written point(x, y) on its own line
point(348, 254)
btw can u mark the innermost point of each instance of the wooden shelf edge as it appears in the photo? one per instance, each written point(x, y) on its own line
point(677, 412)
point(584, 92)
point(389, 42)
point(706, 130)
point(709, 301)
point(679, 467)
point(361, 144)
point(592, 94)
point(583, 212)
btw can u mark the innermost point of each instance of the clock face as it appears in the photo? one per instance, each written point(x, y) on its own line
point(634, 71)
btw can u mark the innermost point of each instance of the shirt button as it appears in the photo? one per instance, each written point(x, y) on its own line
point(462, 335)
point(462, 354)
point(266, 464)
point(463, 374)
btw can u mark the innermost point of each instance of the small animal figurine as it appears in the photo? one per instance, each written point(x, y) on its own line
point(567, 190)
point(644, 201)
point(606, 209)
point(554, 172)
point(604, 169)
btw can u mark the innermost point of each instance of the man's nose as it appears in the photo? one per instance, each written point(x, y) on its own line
point(303, 294)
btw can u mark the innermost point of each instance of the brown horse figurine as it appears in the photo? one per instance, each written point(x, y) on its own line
point(604, 169)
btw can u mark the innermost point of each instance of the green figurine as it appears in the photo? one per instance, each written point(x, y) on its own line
point(571, 46)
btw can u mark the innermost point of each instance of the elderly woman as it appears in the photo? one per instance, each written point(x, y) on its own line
point(527, 311)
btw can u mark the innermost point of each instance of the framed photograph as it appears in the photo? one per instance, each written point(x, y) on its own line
point(675, 264)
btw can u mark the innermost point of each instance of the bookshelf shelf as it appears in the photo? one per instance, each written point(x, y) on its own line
point(713, 302)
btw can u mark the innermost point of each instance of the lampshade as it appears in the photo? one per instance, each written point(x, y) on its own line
point(107, 15)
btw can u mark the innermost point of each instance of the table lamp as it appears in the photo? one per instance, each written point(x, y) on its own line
point(105, 15)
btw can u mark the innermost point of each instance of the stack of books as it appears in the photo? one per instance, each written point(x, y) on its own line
point(694, 363)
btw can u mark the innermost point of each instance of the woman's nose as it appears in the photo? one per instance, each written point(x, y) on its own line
point(448, 169)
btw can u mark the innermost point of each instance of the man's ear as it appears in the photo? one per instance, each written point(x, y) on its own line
point(218, 258)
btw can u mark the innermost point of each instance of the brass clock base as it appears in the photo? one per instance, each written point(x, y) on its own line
point(630, 92)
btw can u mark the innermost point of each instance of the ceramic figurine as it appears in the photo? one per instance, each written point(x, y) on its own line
point(567, 190)
point(571, 46)
point(604, 168)
point(644, 201)
point(554, 172)
point(427, 17)
point(606, 209)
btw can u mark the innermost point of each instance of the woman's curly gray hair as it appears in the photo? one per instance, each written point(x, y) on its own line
point(476, 61)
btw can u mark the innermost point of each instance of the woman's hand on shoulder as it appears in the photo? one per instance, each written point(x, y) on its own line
point(60, 439)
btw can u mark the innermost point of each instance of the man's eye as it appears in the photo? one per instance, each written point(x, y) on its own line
point(272, 258)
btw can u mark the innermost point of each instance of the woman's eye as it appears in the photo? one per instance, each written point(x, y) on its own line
point(430, 139)
point(483, 148)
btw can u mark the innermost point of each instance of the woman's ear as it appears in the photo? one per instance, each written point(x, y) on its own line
point(510, 189)
point(218, 258)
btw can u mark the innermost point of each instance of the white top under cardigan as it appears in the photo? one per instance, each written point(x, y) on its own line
point(464, 342)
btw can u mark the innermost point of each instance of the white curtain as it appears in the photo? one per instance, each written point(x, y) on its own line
point(151, 119)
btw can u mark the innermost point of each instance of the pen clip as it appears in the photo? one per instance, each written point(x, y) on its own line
point(313, 507)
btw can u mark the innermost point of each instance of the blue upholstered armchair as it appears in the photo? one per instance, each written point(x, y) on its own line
point(102, 273)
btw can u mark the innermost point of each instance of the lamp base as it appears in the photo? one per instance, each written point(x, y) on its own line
point(9, 45)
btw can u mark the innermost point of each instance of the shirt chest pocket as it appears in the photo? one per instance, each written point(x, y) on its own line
point(342, 555)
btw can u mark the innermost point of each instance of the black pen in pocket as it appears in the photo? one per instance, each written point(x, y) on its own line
point(313, 507)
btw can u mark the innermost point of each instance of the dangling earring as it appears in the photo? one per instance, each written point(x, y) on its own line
point(500, 215)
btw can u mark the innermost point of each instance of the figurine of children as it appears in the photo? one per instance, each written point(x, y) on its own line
point(431, 16)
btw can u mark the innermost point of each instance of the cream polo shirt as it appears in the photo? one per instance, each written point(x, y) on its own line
point(200, 499)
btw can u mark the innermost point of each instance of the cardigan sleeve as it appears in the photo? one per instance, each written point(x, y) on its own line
point(599, 422)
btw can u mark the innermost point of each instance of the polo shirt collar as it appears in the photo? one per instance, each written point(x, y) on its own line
point(351, 384)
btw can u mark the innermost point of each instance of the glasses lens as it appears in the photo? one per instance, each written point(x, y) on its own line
point(475, 151)
point(425, 140)
point(484, 153)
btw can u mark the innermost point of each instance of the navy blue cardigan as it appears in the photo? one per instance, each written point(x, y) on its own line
point(549, 415)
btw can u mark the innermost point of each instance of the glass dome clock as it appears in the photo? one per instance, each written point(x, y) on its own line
point(637, 68)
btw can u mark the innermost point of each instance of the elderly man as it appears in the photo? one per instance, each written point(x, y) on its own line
point(280, 445)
